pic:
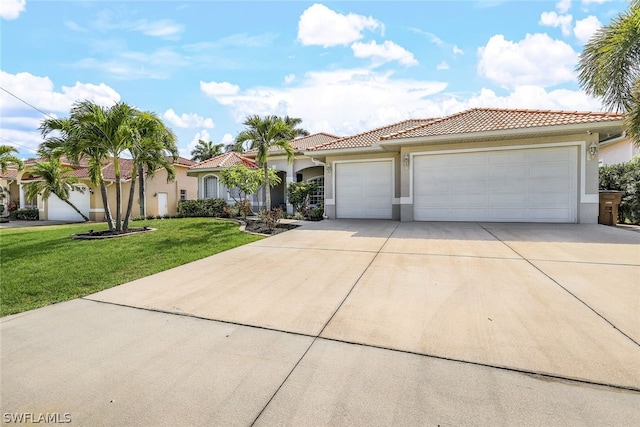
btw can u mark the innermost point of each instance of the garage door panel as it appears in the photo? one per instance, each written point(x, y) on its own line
point(508, 214)
point(58, 210)
point(508, 185)
point(364, 190)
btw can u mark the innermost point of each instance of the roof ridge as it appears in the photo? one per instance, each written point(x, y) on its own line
point(378, 129)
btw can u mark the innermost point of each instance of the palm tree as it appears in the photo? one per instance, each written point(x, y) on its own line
point(264, 133)
point(293, 122)
point(79, 138)
point(8, 159)
point(609, 67)
point(152, 142)
point(51, 179)
point(205, 150)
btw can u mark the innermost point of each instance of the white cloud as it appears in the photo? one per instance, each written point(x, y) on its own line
point(457, 50)
point(130, 65)
point(187, 120)
point(165, 28)
point(588, 2)
point(585, 28)
point(289, 78)
point(20, 121)
point(536, 60)
point(552, 19)
point(73, 26)
point(214, 89)
point(320, 26)
point(386, 52)
point(339, 101)
point(563, 6)
point(11, 9)
point(442, 66)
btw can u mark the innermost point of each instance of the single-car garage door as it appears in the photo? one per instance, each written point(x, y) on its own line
point(529, 185)
point(364, 189)
point(60, 211)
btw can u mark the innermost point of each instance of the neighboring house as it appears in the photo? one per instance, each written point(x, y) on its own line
point(161, 197)
point(617, 149)
point(483, 164)
point(9, 190)
point(303, 168)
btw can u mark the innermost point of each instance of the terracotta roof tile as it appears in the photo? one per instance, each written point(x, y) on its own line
point(224, 161)
point(491, 119)
point(369, 138)
point(9, 174)
point(302, 143)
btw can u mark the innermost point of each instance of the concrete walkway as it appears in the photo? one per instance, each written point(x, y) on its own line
point(351, 323)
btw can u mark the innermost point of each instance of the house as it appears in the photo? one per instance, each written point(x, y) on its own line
point(303, 168)
point(482, 164)
point(617, 149)
point(160, 197)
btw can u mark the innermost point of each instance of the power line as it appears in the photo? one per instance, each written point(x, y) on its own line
point(20, 145)
point(25, 102)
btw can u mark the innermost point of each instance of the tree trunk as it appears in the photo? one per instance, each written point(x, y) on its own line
point(105, 204)
point(267, 188)
point(132, 191)
point(141, 192)
point(74, 207)
point(116, 168)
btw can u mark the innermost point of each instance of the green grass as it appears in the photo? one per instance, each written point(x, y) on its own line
point(44, 265)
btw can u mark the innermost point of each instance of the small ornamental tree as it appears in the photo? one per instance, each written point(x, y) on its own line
point(247, 182)
point(299, 192)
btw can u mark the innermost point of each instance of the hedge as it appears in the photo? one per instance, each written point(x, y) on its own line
point(202, 208)
point(25, 215)
point(624, 177)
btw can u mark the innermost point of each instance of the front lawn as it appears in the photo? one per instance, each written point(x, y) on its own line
point(43, 265)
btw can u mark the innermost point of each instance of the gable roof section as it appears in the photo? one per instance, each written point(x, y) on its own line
point(478, 120)
point(225, 160)
point(369, 138)
point(301, 144)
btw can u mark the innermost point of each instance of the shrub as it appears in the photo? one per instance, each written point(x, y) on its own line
point(624, 177)
point(271, 218)
point(316, 213)
point(25, 215)
point(298, 193)
point(202, 208)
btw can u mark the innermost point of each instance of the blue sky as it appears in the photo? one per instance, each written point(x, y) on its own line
point(343, 67)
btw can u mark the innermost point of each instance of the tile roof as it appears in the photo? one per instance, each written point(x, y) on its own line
point(9, 174)
point(369, 138)
point(225, 160)
point(108, 172)
point(491, 119)
point(302, 143)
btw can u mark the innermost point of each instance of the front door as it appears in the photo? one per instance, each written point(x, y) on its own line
point(162, 204)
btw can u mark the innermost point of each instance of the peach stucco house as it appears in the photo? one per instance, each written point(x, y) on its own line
point(482, 164)
point(161, 197)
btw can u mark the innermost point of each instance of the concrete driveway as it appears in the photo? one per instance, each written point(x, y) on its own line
point(351, 323)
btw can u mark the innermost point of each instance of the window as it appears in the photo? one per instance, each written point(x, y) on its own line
point(317, 196)
point(210, 190)
point(234, 193)
point(183, 195)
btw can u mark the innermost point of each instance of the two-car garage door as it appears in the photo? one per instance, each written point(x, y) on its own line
point(526, 185)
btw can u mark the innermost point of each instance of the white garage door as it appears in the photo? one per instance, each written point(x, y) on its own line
point(60, 211)
point(364, 190)
point(533, 185)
